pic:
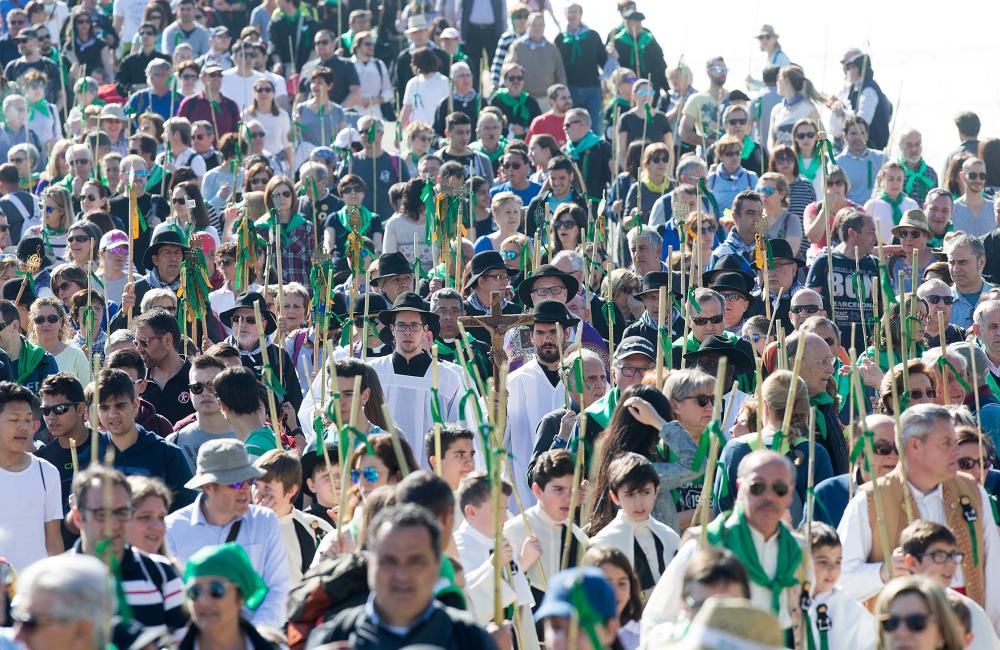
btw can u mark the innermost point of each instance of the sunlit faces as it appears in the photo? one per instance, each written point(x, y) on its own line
point(966, 268)
point(826, 565)
point(636, 501)
point(545, 339)
point(905, 614)
point(117, 414)
point(147, 528)
point(408, 331)
point(707, 322)
point(554, 498)
point(403, 571)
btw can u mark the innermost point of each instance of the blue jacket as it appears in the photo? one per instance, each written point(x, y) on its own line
point(154, 456)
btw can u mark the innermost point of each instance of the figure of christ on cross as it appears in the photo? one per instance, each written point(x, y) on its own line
point(497, 324)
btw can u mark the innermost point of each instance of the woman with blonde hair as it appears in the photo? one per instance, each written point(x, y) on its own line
point(771, 415)
point(48, 328)
point(798, 101)
point(913, 612)
point(506, 209)
point(56, 168)
point(418, 137)
point(56, 219)
point(653, 181)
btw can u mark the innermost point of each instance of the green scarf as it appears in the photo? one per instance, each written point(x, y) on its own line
point(823, 399)
point(748, 145)
point(809, 173)
point(602, 410)
point(914, 175)
point(31, 356)
point(518, 105)
point(576, 151)
point(284, 229)
point(625, 38)
point(50, 232)
point(897, 211)
point(41, 107)
point(345, 219)
point(936, 241)
point(733, 533)
point(575, 43)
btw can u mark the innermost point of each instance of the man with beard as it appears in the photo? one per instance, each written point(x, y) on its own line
point(536, 388)
point(920, 177)
point(407, 376)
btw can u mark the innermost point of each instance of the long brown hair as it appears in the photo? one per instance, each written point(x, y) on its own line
point(597, 557)
point(382, 447)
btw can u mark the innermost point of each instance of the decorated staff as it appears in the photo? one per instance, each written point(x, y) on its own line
point(192, 294)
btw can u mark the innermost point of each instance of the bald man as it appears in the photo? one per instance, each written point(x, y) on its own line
point(805, 304)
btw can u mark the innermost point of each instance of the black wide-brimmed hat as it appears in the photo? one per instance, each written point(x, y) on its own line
point(12, 287)
point(731, 281)
point(546, 271)
point(376, 305)
point(165, 237)
point(410, 301)
point(29, 246)
point(730, 264)
point(390, 264)
point(484, 262)
point(652, 281)
point(739, 361)
point(553, 311)
point(247, 300)
point(782, 250)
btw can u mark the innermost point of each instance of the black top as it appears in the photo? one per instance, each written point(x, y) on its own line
point(415, 367)
point(470, 108)
point(345, 75)
point(534, 110)
point(173, 401)
point(582, 63)
point(132, 70)
point(633, 124)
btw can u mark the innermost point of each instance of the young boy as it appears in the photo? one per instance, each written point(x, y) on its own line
point(300, 532)
point(931, 550)
point(541, 557)
point(649, 544)
point(838, 621)
point(584, 589)
point(316, 483)
point(474, 540)
point(457, 454)
point(239, 395)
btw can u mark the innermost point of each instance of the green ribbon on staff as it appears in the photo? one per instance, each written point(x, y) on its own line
point(271, 381)
point(714, 429)
point(943, 362)
point(104, 551)
point(692, 301)
point(858, 450)
point(436, 407)
point(708, 195)
point(428, 199)
point(890, 293)
point(347, 431)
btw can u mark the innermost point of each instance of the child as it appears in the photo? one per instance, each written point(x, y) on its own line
point(300, 532)
point(584, 591)
point(931, 550)
point(628, 603)
point(316, 482)
point(474, 540)
point(457, 454)
point(648, 544)
point(540, 550)
point(837, 621)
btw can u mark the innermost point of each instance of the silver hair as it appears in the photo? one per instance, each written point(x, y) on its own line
point(930, 359)
point(681, 384)
point(917, 421)
point(446, 294)
point(760, 457)
point(876, 419)
point(649, 234)
point(974, 244)
point(929, 285)
point(153, 295)
point(704, 295)
point(975, 358)
point(156, 64)
point(580, 113)
point(316, 170)
point(28, 149)
point(818, 321)
point(983, 308)
point(120, 336)
point(575, 259)
point(962, 415)
point(460, 66)
point(76, 587)
point(690, 164)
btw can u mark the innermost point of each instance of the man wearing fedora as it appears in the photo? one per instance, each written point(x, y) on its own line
point(536, 388)
point(648, 324)
point(406, 375)
point(738, 363)
point(162, 261)
point(735, 289)
point(394, 276)
point(153, 208)
point(224, 512)
point(707, 315)
point(242, 321)
point(783, 278)
point(418, 35)
point(546, 283)
point(489, 274)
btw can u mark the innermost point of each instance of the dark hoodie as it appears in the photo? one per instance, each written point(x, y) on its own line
point(154, 456)
point(149, 419)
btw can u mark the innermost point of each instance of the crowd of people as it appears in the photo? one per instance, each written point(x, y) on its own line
point(456, 324)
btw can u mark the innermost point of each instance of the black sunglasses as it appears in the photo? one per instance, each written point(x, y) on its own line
point(58, 409)
point(703, 400)
point(51, 318)
point(702, 321)
point(913, 622)
point(809, 309)
point(934, 300)
point(198, 388)
point(216, 589)
point(780, 488)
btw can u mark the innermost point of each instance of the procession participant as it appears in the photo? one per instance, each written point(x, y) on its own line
point(448, 305)
point(157, 338)
point(209, 423)
point(394, 276)
point(920, 177)
point(939, 205)
point(592, 155)
point(588, 61)
point(162, 261)
point(702, 113)
point(966, 261)
point(891, 203)
point(21, 360)
point(488, 274)
point(380, 174)
point(127, 358)
point(634, 357)
point(913, 233)
point(581, 603)
point(706, 321)
point(748, 207)
point(860, 163)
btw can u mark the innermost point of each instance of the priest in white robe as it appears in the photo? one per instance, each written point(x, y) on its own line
point(535, 390)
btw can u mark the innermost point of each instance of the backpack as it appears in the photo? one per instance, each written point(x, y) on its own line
point(329, 587)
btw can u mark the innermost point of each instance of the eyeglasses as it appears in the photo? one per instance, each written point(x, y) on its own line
point(201, 136)
point(189, 77)
point(214, 75)
point(353, 189)
point(82, 21)
point(80, 162)
point(80, 239)
point(510, 256)
point(836, 182)
point(967, 464)
point(780, 488)
point(718, 68)
point(29, 623)
point(976, 176)
point(249, 320)
point(753, 338)
point(910, 234)
point(18, 160)
point(702, 321)
point(198, 388)
point(564, 224)
point(370, 474)
point(659, 159)
point(729, 153)
point(216, 590)
point(239, 485)
point(227, 261)
point(934, 300)
point(103, 514)
point(733, 297)
point(808, 309)
point(407, 327)
point(913, 622)
point(258, 181)
point(147, 32)
point(633, 371)
point(62, 287)
point(496, 277)
point(766, 191)
point(257, 134)
point(737, 121)
point(51, 319)
point(285, 194)
point(548, 291)
point(703, 400)
point(179, 200)
point(514, 78)
point(930, 393)
point(144, 343)
point(264, 89)
point(512, 165)
point(89, 197)
point(58, 409)
point(805, 135)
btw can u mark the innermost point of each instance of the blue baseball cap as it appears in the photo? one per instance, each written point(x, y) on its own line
point(588, 581)
point(325, 154)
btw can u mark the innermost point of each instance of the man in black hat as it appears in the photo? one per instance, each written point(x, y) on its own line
point(489, 274)
point(546, 283)
point(406, 375)
point(242, 320)
point(536, 388)
point(733, 287)
point(738, 363)
point(11, 291)
point(448, 305)
point(395, 275)
point(647, 325)
point(783, 278)
point(153, 208)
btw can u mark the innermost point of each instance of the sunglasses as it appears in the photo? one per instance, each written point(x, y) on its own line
point(930, 393)
point(976, 176)
point(18, 161)
point(285, 194)
point(934, 300)
point(258, 181)
point(805, 135)
point(883, 448)
point(216, 590)
point(239, 485)
point(967, 464)
point(703, 400)
point(89, 197)
point(659, 159)
point(754, 338)
point(179, 200)
point(249, 320)
point(370, 474)
point(766, 191)
point(512, 165)
point(836, 182)
point(200, 136)
point(227, 261)
point(324, 41)
point(264, 89)
point(808, 309)
point(702, 321)
point(564, 224)
point(198, 388)
point(82, 161)
point(189, 77)
point(905, 233)
point(353, 189)
point(52, 319)
point(737, 121)
point(913, 622)
point(147, 33)
point(144, 343)
point(58, 409)
point(780, 488)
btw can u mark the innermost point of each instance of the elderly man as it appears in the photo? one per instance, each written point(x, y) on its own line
point(645, 246)
point(649, 294)
point(756, 533)
point(805, 304)
point(64, 602)
point(966, 260)
point(973, 214)
point(930, 489)
point(591, 155)
point(162, 261)
point(574, 263)
point(633, 358)
point(463, 99)
point(210, 104)
point(157, 97)
point(223, 512)
point(920, 178)
point(986, 327)
point(939, 298)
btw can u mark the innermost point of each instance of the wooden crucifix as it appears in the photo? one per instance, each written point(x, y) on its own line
point(497, 324)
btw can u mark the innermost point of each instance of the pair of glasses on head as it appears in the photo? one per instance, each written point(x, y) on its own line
point(58, 409)
point(216, 590)
point(370, 474)
point(198, 388)
point(913, 622)
point(702, 321)
point(51, 319)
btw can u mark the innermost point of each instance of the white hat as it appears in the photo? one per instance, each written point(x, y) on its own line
point(450, 32)
point(346, 138)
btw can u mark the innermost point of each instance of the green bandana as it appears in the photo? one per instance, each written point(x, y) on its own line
point(575, 43)
point(897, 211)
point(733, 533)
point(823, 399)
point(638, 49)
point(284, 229)
point(748, 145)
point(914, 175)
point(809, 172)
point(518, 105)
point(31, 356)
point(576, 151)
point(602, 410)
point(41, 107)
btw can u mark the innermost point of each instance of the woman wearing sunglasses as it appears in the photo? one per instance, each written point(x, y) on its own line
point(293, 229)
point(914, 613)
point(781, 223)
point(690, 257)
point(837, 186)
point(914, 236)
point(653, 181)
point(85, 47)
point(257, 178)
point(352, 189)
point(800, 191)
point(94, 197)
point(48, 328)
point(277, 125)
point(220, 581)
point(188, 212)
point(82, 241)
point(569, 225)
point(373, 469)
point(58, 214)
point(903, 330)
point(923, 387)
point(621, 80)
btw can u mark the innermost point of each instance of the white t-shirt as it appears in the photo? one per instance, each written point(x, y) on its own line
point(276, 129)
point(240, 89)
point(423, 94)
point(22, 519)
point(130, 11)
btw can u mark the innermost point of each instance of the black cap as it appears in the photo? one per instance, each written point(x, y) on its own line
point(553, 311)
point(635, 345)
point(390, 264)
point(652, 281)
point(246, 300)
point(165, 237)
point(13, 286)
point(732, 262)
point(634, 14)
point(739, 361)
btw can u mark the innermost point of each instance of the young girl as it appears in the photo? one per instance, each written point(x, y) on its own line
point(628, 604)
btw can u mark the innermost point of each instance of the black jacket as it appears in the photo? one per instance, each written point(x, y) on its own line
point(536, 210)
point(582, 66)
point(285, 35)
point(652, 65)
point(150, 205)
point(257, 642)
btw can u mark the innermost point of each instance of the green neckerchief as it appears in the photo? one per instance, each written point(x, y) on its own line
point(625, 38)
point(50, 232)
point(518, 105)
point(733, 532)
point(41, 107)
point(936, 241)
point(285, 229)
point(748, 145)
point(575, 43)
point(446, 581)
point(914, 175)
point(602, 410)
point(494, 155)
point(809, 173)
point(897, 211)
point(690, 344)
point(345, 219)
point(31, 356)
point(347, 39)
point(155, 176)
point(816, 401)
point(576, 151)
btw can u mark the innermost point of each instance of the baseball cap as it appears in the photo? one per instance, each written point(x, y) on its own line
point(221, 30)
point(450, 32)
point(25, 34)
point(346, 138)
point(567, 587)
point(205, 240)
point(114, 239)
point(212, 68)
point(635, 345)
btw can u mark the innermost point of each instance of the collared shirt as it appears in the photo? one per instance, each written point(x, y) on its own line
point(963, 308)
point(862, 171)
point(188, 531)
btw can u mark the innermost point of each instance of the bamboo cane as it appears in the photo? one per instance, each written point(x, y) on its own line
point(272, 404)
point(73, 455)
point(660, 320)
point(705, 501)
point(437, 426)
point(944, 351)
